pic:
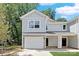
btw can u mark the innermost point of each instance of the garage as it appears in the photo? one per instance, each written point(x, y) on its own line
point(34, 42)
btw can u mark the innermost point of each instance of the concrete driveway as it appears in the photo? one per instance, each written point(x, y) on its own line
point(32, 52)
point(44, 52)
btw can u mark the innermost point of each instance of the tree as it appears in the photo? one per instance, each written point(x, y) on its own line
point(62, 19)
point(12, 14)
point(4, 33)
point(49, 12)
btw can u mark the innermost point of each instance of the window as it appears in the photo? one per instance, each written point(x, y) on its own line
point(34, 24)
point(31, 24)
point(64, 27)
point(46, 28)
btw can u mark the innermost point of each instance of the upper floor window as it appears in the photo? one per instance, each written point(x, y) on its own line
point(64, 27)
point(33, 24)
point(36, 24)
point(46, 28)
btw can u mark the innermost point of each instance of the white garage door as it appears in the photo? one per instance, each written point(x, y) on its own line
point(34, 42)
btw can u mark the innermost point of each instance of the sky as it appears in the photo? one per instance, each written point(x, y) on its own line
point(63, 10)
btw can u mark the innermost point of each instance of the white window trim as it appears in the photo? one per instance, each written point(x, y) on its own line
point(33, 24)
point(65, 28)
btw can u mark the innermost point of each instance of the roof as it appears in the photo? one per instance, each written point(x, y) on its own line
point(76, 20)
point(36, 12)
point(42, 15)
point(50, 33)
point(65, 33)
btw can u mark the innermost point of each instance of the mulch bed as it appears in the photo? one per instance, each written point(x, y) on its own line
point(10, 50)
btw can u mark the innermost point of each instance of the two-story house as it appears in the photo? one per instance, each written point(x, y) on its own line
point(74, 27)
point(39, 31)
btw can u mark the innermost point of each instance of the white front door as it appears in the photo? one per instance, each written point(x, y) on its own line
point(34, 42)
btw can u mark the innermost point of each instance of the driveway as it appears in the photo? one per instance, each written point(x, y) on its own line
point(32, 52)
point(43, 52)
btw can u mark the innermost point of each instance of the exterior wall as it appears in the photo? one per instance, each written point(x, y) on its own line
point(22, 41)
point(68, 27)
point(77, 33)
point(73, 28)
point(73, 42)
point(33, 17)
point(55, 27)
point(52, 41)
point(78, 39)
point(74, 25)
point(77, 28)
point(24, 25)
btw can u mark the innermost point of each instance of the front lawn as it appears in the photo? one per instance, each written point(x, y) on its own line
point(65, 53)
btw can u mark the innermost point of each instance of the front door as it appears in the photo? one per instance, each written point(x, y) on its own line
point(46, 41)
point(63, 41)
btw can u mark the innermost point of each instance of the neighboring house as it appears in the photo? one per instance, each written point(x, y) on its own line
point(39, 31)
point(74, 27)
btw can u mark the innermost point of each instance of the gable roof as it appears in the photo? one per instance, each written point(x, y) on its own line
point(76, 20)
point(29, 13)
point(36, 12)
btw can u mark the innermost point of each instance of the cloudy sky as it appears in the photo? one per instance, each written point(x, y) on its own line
point(66, 10)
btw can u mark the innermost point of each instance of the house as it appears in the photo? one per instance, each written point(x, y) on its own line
point(74, 27)
point(39, 32)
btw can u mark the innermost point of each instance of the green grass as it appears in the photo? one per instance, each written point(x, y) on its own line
point(65, 53)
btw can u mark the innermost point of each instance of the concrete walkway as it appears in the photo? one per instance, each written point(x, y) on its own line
point(61, 50)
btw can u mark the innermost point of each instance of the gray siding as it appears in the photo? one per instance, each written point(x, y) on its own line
point(33, 17)
point(73, 42)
